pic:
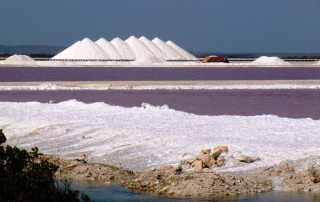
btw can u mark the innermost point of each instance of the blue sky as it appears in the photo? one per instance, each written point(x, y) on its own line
point(198, 25)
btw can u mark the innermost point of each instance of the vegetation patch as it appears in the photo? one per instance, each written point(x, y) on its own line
point(23, 177)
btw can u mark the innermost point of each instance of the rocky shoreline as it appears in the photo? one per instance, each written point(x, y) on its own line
point(177, 182)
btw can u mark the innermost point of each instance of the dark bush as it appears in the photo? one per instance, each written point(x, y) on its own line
point(23, 177)
point(3, 138)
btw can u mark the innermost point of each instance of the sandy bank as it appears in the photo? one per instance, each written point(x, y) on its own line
point(173, 182)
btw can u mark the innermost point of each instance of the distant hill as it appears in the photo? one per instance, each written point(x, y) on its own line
point(31, 50)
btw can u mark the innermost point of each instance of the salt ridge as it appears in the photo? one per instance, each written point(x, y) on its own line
point(155, 136)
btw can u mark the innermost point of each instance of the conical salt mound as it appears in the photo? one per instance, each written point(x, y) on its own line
point(90, 50)
point(170, 52)
point(183, 52)
point(153, 48)
point(141, 52)
point(318, 63)
point(111, 51)
point(83, 50)
point(20, 60)
point(69, 52)
point(265, 60)
point(123, 48)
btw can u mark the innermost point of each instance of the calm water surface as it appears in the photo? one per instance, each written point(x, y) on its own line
point(118, 194)
point(11, 74)
point(284, 103)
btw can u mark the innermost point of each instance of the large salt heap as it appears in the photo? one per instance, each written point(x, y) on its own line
point(317, 63)
point(186, 55)
point(109, 48)
point(123, 48)
point(142, 53)
point(83, 50)
point(170, 52)
point(154, 48)
point(265, 60)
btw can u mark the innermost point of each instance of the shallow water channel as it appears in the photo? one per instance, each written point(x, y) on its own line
point(99, 192)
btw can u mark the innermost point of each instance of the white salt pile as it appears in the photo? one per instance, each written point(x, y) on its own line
point(19, 60)
point(186, 55)
point(109, 48)
point(170, 52)
point(318, 63)
point(83, 50)
point(142, 53)
point(154, 48)
point(265, 60)
point(123, 48)
point(68, 53)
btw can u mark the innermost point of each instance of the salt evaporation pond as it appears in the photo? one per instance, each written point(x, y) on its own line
point(15, 74)
point(150, 136)
point(285, 102)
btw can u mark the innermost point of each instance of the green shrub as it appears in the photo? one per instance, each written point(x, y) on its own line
point(25, 178)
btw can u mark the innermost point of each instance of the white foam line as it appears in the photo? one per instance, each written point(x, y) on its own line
point(225, 87)
point(53, 87)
